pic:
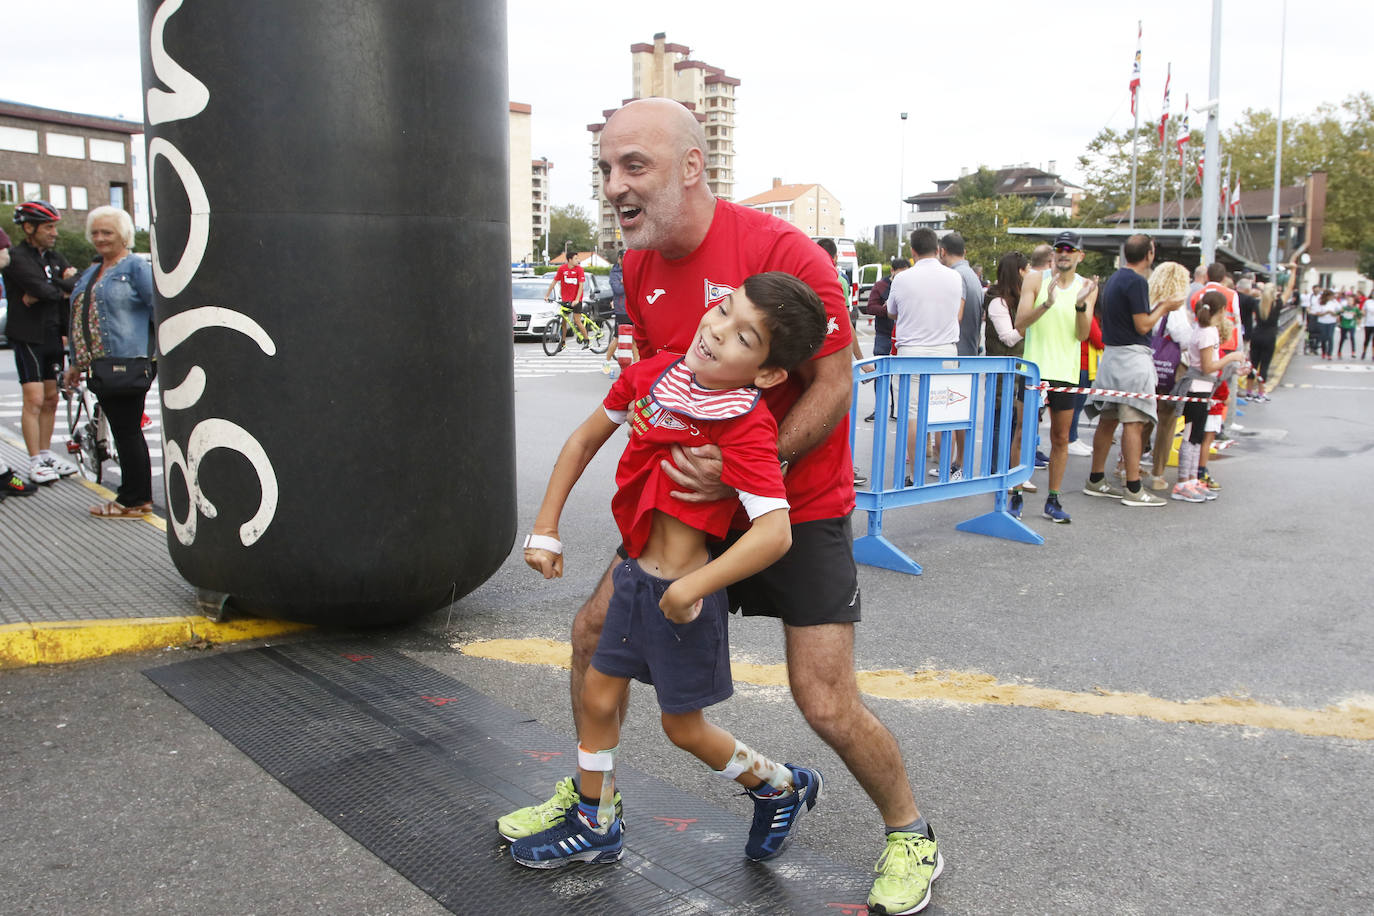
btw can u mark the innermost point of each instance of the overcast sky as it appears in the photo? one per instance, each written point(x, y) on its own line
point(986, 81)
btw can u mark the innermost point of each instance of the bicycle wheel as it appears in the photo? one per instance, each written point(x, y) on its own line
point(553, 337)
point(605, 331)
point(78, 418)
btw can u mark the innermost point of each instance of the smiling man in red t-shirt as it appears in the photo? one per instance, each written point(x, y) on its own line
point(689, 251)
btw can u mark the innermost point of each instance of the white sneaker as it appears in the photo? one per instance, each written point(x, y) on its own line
point(62, 466)
point(1081, 449)
point(39, 472)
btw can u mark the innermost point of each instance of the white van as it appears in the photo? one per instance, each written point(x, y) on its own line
point(846, 257)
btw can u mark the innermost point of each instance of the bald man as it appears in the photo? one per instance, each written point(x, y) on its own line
point(688, 252)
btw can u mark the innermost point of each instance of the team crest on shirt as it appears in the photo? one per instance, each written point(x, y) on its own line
point(715, 292)
point(646, 414)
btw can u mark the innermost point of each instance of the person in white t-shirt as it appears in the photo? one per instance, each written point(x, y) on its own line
point(1368, 325)
point(1204, 373)
point(926, 303)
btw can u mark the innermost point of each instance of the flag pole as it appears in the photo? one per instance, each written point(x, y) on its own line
point(1278, 157)
point(1163, 145)
point(1135, 110)
point(1212, 153)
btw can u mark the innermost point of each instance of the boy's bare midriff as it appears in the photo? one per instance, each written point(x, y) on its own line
point(674, 549)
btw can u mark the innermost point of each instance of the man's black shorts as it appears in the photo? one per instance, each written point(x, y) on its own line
point(574, 307)
point(38, 362)
point(1059, 400)
point(815, 582)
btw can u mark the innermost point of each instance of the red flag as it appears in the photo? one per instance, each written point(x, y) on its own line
point(1164, 118)
point(1135, 68)
point(1235, 202)
point(1200, 157)
point(1183, 134)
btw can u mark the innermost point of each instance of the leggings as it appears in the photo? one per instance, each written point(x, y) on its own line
point(1348, 334)
point(1368, 333)
point(1261, 353)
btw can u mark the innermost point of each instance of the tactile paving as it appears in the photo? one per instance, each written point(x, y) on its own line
point(415, 765)
point(58, 564)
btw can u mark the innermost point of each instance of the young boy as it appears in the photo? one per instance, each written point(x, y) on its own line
point(666, 624)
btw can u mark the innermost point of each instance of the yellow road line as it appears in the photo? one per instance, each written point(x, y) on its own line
point(1351, 718)
point(23, 644)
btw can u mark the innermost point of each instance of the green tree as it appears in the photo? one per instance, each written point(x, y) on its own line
point(983, 224)
point(979, 185)
point(1337, 139)
point(867, 252)
point(570, 228)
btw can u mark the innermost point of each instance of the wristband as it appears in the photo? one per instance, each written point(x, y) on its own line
point(544, 542)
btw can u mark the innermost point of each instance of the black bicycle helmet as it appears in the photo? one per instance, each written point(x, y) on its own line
point(36, 211)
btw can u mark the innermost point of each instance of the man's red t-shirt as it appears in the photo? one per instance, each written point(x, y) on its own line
point(569, 278)
point(733, 420)
point(666, 299)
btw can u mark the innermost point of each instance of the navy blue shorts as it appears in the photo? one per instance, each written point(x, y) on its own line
point(688, 664)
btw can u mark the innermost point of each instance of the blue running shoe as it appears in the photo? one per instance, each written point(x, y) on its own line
point(574, 840)
point(775, 817)
point(1041, 459)
point(1055, 512)
point(1014, 507)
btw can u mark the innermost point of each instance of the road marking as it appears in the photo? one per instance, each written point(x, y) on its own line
point(1349, 718)
point(1329, 387)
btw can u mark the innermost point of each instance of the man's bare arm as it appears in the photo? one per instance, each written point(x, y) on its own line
point(821, 406)
point(1025, 309)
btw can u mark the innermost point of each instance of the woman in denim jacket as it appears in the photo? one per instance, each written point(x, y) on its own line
point(112, 315)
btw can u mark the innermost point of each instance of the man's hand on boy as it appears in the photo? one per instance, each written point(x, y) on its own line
point(697, 470)
point(678, 606)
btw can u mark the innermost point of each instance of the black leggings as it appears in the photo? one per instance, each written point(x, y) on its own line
point(125, 413)
point(1195, 414)
point(1368, 334)
point(1261, 352)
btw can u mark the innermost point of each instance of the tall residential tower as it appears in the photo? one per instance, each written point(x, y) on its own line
point(665, 70)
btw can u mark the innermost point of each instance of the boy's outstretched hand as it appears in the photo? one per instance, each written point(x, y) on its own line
point(675, 607)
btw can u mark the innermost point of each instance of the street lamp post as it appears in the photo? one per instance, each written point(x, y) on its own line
point(901, 200)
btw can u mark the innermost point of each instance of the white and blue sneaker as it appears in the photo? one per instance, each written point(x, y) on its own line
point(573, 840)
point(777, 815)
point(1055, 512)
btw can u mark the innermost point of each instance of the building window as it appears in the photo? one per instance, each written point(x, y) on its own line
point(32, 191)
point(19, 140)
point(79, 201)
point(67, 146)
point(117, 196)
point(9, 193)
point(57, 195)
point(107, 151)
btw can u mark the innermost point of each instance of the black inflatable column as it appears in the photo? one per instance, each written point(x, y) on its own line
point(328, 185)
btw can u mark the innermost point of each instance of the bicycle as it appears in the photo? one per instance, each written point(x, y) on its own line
point(90, 443)
point(597, 338)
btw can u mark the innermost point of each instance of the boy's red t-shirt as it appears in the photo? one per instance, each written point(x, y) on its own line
point(747, 436)
point(666, 299)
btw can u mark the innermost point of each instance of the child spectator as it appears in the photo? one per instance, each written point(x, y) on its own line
point(1204, 371)
point(666, 624)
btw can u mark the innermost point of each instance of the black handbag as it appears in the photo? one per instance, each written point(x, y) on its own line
point(122, 374)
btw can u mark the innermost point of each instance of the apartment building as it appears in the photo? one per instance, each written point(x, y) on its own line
point(529, 190)
point(75, 161)
point(662, 69)
point(1045, 187)
point(809, 207)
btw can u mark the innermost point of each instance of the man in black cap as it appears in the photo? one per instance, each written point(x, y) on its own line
point(1055, 318)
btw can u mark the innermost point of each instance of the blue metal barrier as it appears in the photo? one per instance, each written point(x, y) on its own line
point(975, 394)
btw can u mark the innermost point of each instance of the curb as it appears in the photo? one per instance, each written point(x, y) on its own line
point(28, 644)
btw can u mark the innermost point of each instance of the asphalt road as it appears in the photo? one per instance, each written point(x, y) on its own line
point(116, 800)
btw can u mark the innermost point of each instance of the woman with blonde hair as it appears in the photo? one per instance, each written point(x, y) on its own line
point(1266, 332)
point(111, 342)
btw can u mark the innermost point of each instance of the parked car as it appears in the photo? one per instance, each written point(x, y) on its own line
point(869, 274)
point(530, 313)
